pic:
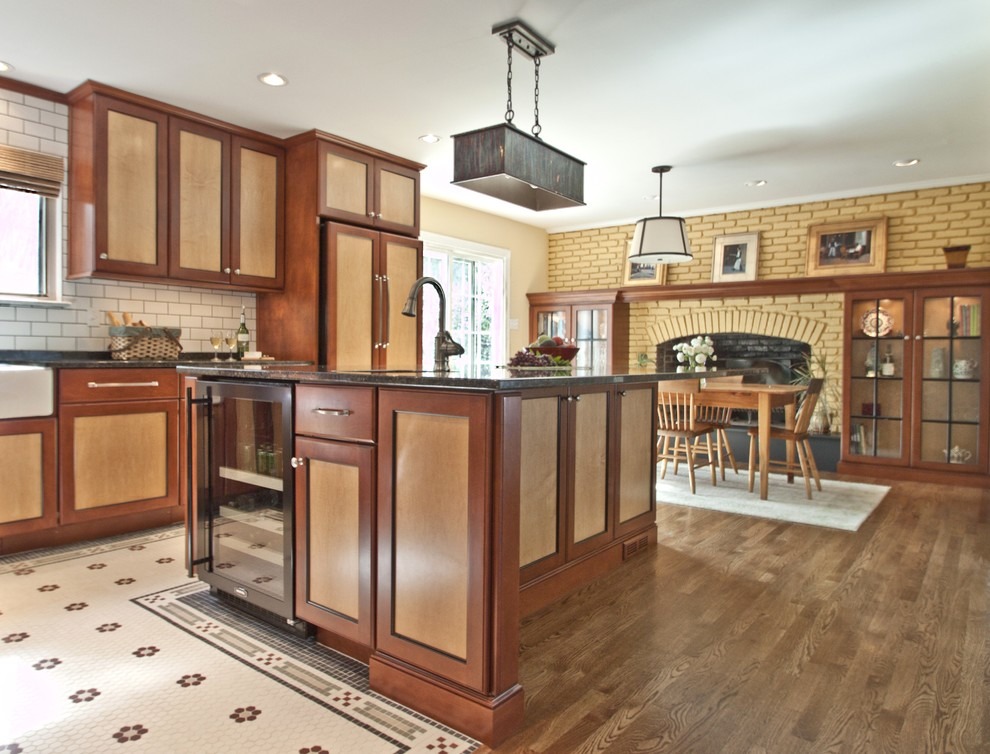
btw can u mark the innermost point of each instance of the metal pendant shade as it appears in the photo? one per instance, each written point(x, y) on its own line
point(504, 162)
point(660, 240)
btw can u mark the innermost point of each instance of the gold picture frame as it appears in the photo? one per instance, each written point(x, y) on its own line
point(643, 274)
point(855, 247)
point(735, 257)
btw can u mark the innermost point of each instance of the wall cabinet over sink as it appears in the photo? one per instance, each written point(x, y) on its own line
point(159, 194)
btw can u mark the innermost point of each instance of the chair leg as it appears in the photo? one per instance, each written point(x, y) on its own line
point(728, 449)
point(806, 475)
point(719, 453)
point(666, 456)
point(812, 464)
point(690, 463)
point(752, 461)
point(712, 461)
point(676, 453)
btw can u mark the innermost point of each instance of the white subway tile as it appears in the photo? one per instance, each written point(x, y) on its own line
point(24, 112)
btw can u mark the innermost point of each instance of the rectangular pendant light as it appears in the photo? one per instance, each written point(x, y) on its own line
point(513, 166)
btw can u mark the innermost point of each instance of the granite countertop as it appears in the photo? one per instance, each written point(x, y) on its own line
point(481, 378)
point(102, 360)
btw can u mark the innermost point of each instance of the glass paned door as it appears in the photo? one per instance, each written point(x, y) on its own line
point(591, 336)
point(245, 511)
point(951, 351)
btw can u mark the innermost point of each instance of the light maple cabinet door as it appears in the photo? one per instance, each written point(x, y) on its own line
point(130, 189)
point(334, 510)
point(400, 265)
point(29, 501)
point(257, 236)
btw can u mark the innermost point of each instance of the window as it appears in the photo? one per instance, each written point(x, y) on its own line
point(474, 278)
point(30, 221)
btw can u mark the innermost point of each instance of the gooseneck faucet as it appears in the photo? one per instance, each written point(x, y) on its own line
point(444, 346)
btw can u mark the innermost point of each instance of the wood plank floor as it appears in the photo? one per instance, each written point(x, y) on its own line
point(738, 634)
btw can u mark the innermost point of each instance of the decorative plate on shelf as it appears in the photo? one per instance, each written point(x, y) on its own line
point(877, 322)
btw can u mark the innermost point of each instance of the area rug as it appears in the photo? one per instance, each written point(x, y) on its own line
point(111, 644)
point(839, 505)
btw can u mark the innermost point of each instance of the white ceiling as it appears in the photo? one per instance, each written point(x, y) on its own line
point(817, 97)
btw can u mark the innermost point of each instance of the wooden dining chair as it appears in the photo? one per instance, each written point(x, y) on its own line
point(720, 417)
point(799, 436)
point(678, 428)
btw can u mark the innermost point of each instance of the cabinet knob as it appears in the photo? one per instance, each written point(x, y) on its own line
point(907, 337)
point(916, 337)
point(104, 255)
point(378, 216)
point(371, 215)
point(296, 462)
point(237, 271)
point(622, 393)
point(226, 270)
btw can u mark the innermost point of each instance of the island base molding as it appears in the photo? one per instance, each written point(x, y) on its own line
point(489, 719)
point(545, 590)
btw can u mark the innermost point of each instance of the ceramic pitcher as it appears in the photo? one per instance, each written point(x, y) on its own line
point(963, 368)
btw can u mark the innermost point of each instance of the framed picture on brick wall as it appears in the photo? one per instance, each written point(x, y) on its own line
point(848, 248)
point(735, 257)
point(643, 274)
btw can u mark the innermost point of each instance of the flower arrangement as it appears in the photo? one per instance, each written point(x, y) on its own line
point(695, 354)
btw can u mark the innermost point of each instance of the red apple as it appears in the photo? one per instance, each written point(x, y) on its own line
point(558, 340)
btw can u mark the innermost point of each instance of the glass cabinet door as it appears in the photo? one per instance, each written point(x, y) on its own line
point(591, 336)
point(552, 322)
point(950, 352)
point(880, 361)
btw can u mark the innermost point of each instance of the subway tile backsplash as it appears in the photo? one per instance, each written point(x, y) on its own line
point(40, 125)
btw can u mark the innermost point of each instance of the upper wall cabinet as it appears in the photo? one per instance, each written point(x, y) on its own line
point(161, 194)
point(359, 188)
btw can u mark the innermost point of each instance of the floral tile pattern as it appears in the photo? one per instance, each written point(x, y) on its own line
point(110, 647)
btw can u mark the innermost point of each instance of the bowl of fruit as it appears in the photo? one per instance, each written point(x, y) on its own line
point(554, 347)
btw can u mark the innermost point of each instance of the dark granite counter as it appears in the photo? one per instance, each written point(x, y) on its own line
point(102, 360)
point(484, 378)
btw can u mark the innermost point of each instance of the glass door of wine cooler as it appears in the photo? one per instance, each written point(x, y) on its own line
point(244, 492)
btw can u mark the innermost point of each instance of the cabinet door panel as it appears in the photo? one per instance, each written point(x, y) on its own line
point(403, 263)
point(27, 476)
point(346, 184)
point(334, 507)
point(117, 458)
point(590, 461)
point(257, 213)
point(636, 453)
point(351, 297)
point(539, 477)
point(398, 198)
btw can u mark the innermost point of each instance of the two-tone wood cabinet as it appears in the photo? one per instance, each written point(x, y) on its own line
point(28, 475)
point(118, 442)
point(158, 193)
point(596, 321)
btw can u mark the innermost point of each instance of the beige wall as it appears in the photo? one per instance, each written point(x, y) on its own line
point(527, 246)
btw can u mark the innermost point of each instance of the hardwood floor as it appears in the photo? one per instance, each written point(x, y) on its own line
point(738, 634)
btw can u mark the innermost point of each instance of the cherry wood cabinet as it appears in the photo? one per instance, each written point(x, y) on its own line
point(293, 323)
point(915, 380)
point(158, 193)
point(368, 276)
point(335, 504)
point(118, 442)
point(587, 472)
point(28, 476)
point(359, 188)
point(597, 322)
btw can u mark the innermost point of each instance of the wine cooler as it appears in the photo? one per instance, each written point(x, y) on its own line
point(241, 495)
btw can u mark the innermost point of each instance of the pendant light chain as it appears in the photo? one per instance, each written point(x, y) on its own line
point(509, 113)
point(536, 96)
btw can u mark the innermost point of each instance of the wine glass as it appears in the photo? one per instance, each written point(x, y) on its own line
point(215, 340)
point(230, 338)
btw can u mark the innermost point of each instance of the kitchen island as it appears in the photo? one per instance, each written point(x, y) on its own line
point(434, 510)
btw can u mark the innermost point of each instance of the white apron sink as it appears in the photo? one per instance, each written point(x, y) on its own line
point(26, 391)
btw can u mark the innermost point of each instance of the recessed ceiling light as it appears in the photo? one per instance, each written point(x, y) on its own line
point(430, 138)
point(272, 79)
point(906, 163)
point(5, 67)
point(756, 183)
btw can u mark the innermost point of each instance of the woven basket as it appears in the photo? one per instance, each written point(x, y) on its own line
point(153, 343)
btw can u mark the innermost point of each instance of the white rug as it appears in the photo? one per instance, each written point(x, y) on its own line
point(840, 505)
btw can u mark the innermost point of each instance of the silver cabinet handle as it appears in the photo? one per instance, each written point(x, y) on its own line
point(371, 215)
point(333, 411)
point(153, 383)
point(104, 255)
point(226, 270)
point(386, 329)
point(381, 309)
point(296, 462)
point(237, 271)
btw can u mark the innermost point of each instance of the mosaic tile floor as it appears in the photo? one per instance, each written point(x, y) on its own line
point(110, 644)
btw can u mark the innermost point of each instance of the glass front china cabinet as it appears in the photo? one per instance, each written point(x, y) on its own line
point(595, 320)
point(914, 379)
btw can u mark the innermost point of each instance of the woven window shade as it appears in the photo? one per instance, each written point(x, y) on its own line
point(31, 171)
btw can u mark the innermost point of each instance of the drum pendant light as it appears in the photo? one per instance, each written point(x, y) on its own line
point(660, 240)
point(503, 161)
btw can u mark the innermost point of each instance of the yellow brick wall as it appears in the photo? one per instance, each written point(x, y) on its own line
point(919, 224)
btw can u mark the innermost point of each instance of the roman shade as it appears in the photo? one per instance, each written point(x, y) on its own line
point(31, 171)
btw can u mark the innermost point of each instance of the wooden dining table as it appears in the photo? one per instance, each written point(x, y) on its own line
point(764, 399)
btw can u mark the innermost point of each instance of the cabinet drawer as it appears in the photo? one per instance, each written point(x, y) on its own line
point(344, 413)
point(95, 385)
